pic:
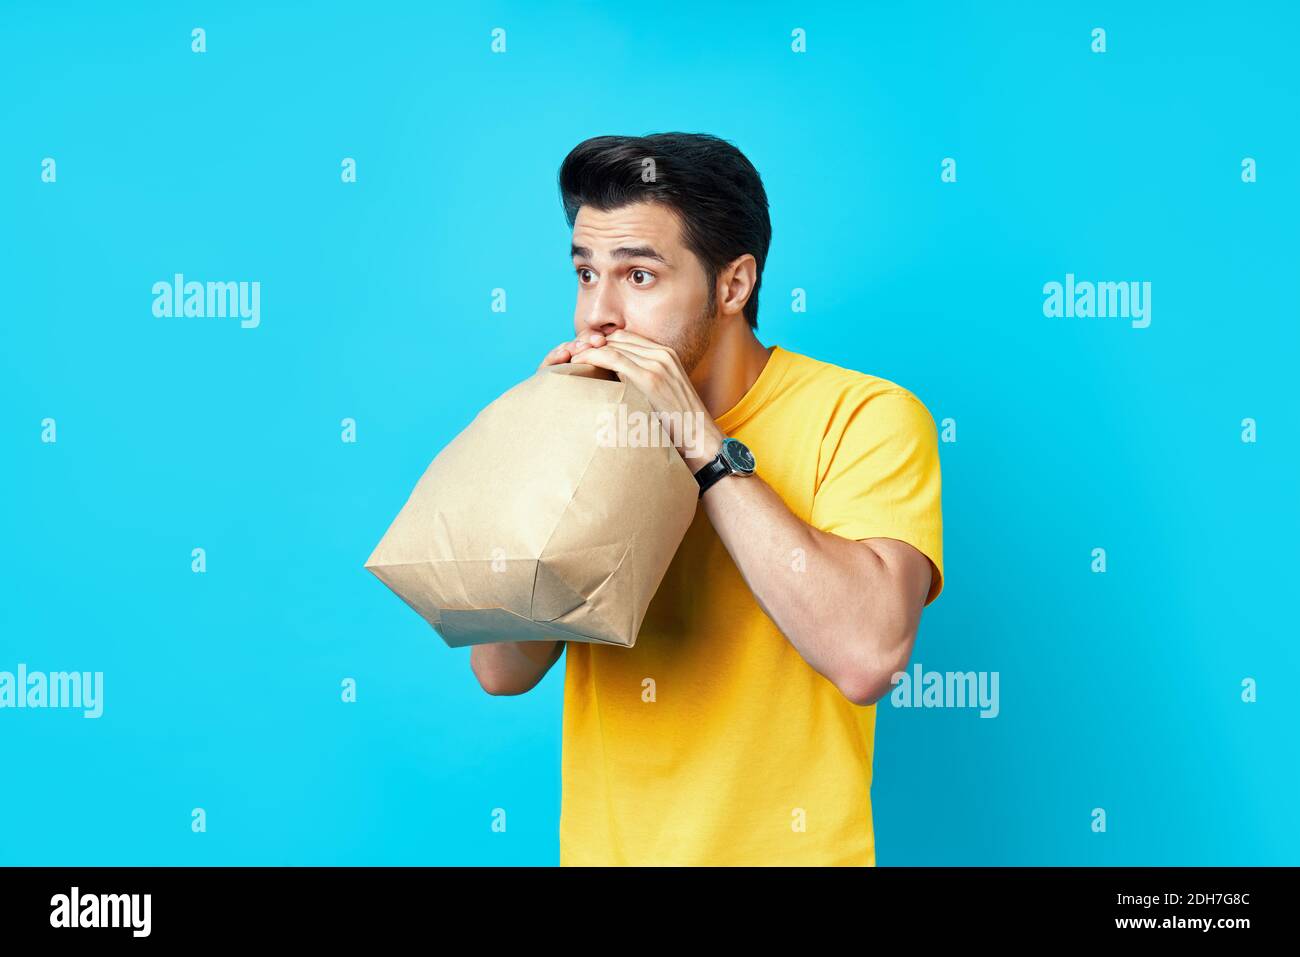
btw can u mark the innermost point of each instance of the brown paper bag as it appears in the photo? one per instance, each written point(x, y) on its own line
point(533, 525)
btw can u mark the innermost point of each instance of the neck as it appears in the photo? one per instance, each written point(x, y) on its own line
point(730, 367)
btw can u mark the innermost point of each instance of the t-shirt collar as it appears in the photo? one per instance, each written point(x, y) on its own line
point(759, 393)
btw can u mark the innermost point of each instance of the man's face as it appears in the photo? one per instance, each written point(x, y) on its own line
point(635, 273)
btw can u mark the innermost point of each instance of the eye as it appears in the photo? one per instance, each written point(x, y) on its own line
point(583, 273)
point(641, 277)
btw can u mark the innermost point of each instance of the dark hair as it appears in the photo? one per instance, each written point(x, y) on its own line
point(708, 182)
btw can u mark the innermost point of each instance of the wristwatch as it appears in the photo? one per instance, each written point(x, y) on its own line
point(734, 458)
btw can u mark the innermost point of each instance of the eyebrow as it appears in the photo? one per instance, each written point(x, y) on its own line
point(623, 252)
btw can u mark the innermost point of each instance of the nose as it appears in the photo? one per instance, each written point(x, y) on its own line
point(604, 311)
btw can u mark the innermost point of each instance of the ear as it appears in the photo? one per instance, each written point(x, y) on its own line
point(736, 284)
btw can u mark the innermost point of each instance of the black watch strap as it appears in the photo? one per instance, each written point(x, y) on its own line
point(709, 474)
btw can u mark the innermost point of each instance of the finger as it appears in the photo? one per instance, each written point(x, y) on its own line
point(591, 341)
point(623, 337)
point(560, 353)
point(654, 351)
point(661, 359)
point(626, 335)
point(615, 360)
point(642, 346)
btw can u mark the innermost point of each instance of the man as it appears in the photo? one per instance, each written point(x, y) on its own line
point(739, 729)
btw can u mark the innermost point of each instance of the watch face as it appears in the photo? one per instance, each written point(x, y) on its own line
point(738, 455)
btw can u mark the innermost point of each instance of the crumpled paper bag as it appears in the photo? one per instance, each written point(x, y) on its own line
point(534, 524)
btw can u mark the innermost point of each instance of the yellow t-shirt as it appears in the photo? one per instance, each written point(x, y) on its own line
point(712, 742)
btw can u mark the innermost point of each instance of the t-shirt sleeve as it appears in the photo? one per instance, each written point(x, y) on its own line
point(879, 476)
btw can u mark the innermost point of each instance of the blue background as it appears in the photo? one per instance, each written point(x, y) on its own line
point(1118, 690)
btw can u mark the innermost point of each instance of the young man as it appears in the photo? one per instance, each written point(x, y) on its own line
point(739, 729)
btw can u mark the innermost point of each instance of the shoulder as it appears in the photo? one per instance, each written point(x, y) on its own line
point(844, 393)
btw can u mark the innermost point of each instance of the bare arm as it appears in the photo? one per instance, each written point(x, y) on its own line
point(853, 614)
point(513, 667)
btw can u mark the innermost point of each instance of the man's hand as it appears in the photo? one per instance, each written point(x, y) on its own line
point(658, 373)
point(565, 351)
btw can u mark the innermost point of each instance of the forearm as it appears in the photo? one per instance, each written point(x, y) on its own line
point(513, 667)
point(834, 599)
